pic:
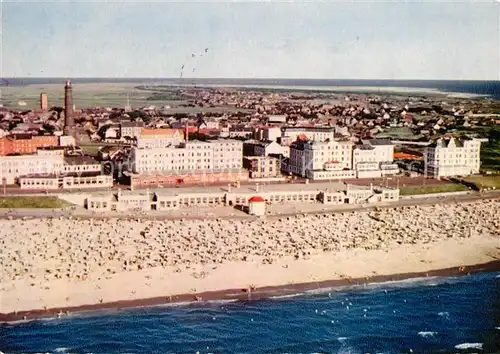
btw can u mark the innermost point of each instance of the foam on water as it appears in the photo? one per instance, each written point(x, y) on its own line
point(464, 346)
point(426, 334)
point(390, 284)
point(278, 297)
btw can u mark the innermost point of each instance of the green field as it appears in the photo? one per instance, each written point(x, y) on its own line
point(91, 149)
point(113, 95)
point(85, 95)
point(32, 202)
point(444, 188)
point(490, 151)
point(484, 182)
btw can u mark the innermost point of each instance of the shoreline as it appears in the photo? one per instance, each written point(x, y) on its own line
point(246, 295)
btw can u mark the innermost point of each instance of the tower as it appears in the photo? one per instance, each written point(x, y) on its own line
point(69, 123)
point(44, 102)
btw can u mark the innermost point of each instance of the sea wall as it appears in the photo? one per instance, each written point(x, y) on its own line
point(434, 195)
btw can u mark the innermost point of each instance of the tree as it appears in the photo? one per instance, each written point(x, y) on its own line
point(49, 128)
point(140, 114)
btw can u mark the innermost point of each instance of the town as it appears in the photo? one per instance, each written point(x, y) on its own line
point(257, 147)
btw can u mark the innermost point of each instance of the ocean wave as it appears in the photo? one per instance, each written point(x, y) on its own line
point(464, 346)
point(20, 322)
point(277, 297)
point(409, 283)
point(426, 334)
point(219, 302)
point(389, 284)
point(443, 314)
point(328, 289)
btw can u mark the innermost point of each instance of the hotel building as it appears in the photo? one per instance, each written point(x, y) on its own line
point(321, 160)
point(50, 169)
point(210, 161)
point(374, 158)
point(452, 157)
point(191, 156)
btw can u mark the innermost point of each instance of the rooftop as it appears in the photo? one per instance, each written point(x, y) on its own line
point(247, 189)
point(315, 129)
point(148, 132)
point(54, 175)
point(128, 124)
point(364, 147)
point(377, 142)
point(80, 160)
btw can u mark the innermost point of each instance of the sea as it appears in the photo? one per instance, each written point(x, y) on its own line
point(427, 315)
point(488, 89)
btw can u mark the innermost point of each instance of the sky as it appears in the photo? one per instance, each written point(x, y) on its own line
point(433, 39)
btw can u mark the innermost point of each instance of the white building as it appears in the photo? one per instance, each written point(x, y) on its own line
point(296, 194)
point(66, 140)
point(312, 133)
point(275, 118)
point(452, 157)
point(268, 133)
point(309, 156)
point(374, 159)
point(12, 167)
point(37, 169)
point(228, 154)
point(80, 165)
point(66, 182)
point(193, 156)
point(377, 150)
point(131, 129)
point(257, 206)
point(160, 138)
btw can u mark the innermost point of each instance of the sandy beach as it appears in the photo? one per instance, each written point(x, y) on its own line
point(55, 263)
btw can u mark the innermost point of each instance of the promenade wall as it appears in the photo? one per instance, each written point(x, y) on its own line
point(434, 195)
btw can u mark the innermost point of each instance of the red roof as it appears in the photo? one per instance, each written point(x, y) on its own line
point(256, 199)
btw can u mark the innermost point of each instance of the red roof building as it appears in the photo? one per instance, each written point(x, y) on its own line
point(256, 199)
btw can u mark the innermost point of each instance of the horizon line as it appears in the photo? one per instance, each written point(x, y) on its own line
point(226, 78)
